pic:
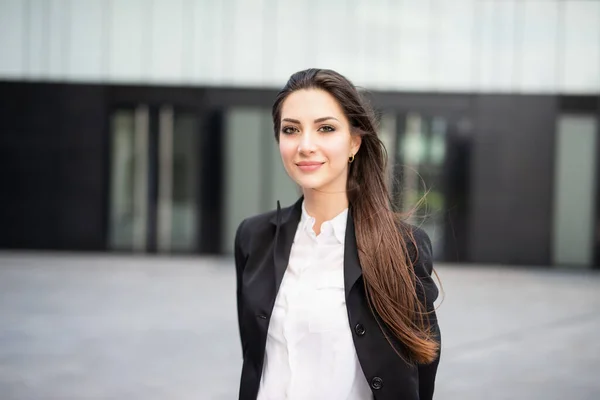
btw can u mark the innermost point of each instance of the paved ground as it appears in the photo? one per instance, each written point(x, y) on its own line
point(114, 327)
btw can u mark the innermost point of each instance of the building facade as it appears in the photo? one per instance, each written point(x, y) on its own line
point(145, 126)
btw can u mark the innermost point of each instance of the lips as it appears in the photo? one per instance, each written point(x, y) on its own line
point(308, 166)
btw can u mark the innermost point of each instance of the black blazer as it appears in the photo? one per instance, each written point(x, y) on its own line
point(262, 250)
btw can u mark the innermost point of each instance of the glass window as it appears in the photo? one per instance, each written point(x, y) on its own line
point(129, 180)
point(574, 190)
point(421, 153)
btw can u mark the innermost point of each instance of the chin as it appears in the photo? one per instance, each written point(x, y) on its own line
point(305, 183)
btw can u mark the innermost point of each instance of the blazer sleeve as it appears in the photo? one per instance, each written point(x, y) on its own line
point(427, 292)
point(240, 261)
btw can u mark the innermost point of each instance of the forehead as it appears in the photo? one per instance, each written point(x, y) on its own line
point(311, 104)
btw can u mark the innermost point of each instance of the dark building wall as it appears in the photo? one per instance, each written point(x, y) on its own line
point(53, 153)
point(511, 179)
point(54, 165)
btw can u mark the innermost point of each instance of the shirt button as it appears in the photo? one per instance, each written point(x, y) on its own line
point(359, 329)
point(376, 383)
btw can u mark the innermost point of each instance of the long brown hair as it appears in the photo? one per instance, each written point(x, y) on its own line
point(389, 278)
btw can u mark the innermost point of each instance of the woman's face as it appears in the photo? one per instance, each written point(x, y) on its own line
point(315, 141)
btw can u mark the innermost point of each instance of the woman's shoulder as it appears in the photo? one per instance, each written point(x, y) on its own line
point(265, 220)
point(418, 246)
point(256, 226)
point(421, 238)
point(260, 226)
point(413, 233)
point(256, 222)
point(259, 219)
point(250, 227)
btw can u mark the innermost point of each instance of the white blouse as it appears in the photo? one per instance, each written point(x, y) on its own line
point(309, 353)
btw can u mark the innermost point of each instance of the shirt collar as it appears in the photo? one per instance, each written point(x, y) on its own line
point(338, 223)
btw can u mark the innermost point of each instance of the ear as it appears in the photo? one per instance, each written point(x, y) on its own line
point(355, 143)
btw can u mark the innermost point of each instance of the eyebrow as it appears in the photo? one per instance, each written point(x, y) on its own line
point(322, 119)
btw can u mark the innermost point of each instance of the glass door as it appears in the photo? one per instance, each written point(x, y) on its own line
point(430, 178)
point(575, 232)
point(422, 149)
point(128, 216)
point(178, 180)
point(154, 179)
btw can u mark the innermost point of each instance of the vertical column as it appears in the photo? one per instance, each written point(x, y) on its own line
point(140, 179)
point(165, 179)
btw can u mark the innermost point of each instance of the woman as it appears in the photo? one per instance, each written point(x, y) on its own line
point(334, 294)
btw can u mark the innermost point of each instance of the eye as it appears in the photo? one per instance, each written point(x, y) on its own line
point(326, 128)
point(288, 130)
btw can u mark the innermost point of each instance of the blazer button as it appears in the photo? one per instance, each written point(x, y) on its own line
point(376, 383)
point(262, 316)
point(359, 329)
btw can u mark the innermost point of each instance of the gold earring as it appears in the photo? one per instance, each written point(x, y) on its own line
point(351, 159)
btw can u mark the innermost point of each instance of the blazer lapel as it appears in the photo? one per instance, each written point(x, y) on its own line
point(286, 222)
point(352, 268)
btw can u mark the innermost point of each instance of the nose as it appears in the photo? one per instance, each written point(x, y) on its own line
point(307, 143)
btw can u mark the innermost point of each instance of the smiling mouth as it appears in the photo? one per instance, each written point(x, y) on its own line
point(309, 166)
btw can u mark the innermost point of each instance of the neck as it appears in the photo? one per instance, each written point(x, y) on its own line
point(324, 206)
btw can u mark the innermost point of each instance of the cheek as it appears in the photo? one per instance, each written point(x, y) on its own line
point(338, 152)
point(287, 149)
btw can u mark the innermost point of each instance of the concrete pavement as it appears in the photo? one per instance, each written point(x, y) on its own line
point(129, 327)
